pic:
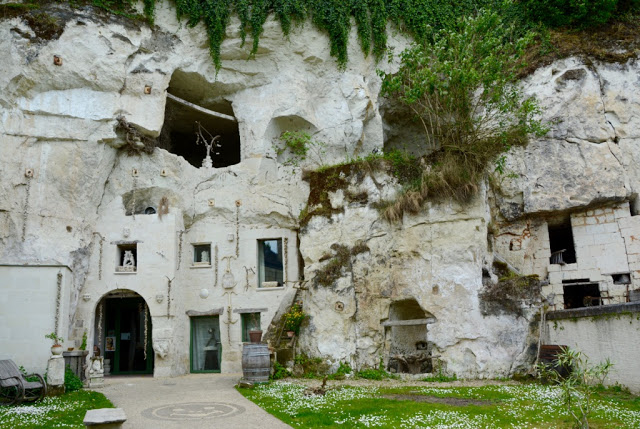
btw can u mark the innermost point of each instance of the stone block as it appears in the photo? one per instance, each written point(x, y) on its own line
point(586, 263)
point(590, 220)
point(630, 222)
point(555, 277)
point(554, 268)
point(606, 238)
point(105, 418)
point(569, 267)
point(583, 239)
point(55, 372)
point(622, 213)
point(611, 227)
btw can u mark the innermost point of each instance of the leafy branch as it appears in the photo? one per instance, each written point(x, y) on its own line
point(462, 87)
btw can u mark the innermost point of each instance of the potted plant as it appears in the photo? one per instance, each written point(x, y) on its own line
point(56, 348)
point(293, 319)
point(255, 335)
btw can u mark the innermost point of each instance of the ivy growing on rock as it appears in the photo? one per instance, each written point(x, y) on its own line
point(417, 17)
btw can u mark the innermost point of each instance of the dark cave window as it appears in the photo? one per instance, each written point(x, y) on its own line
point(189, 98)
point(561, 242)
point(578, 295)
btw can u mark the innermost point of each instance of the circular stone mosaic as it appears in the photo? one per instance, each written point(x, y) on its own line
point(193, 411)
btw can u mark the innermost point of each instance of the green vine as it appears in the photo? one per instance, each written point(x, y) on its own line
point(421, 19)
point(417, 17)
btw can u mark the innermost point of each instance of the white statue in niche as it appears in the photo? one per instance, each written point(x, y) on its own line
point(128, 260)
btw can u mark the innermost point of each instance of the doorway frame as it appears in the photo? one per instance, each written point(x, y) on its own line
point(117, 295)
point(191, 343)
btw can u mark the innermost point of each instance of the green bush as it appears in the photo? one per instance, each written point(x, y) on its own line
point(297, 145)
point(279, 371)
point(71, 381)
point(312, 367)
point(440, 377)
point(375, 373)
point(341, 372)
point(462, 88)
point(577, 13)
point(578, 387)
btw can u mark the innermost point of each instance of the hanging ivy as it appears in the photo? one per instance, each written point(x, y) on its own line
point(421, 19)
point(417, 17)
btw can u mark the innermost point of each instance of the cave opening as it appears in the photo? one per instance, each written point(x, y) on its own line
point(194, 113)
point(406, 333)
point(578, 295)
point(563, 249)
point(402, 130)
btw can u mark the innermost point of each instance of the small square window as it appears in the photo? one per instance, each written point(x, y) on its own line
point(127, 261)
point(270, 268)
point(202, 254)
point(250, 322)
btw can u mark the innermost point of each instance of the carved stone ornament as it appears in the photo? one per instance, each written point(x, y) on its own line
point(228, 281)
point(161, 348)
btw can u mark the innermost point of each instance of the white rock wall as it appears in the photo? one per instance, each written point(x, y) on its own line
point(58, 122)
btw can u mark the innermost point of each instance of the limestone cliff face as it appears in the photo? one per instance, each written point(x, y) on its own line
point(65, 176)
point(59, 122)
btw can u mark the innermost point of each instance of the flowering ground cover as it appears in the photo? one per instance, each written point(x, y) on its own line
point(424, 406)
point(66, 411)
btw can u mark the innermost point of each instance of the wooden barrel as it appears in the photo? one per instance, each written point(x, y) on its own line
point(255, 363)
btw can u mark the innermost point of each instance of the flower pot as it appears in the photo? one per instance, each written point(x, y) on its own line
point(255, 336)
point(290, 334)
point(56, 350)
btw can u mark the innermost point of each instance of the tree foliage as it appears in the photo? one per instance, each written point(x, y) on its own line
point(578, 13)
point(462, 89)
point(579, 385)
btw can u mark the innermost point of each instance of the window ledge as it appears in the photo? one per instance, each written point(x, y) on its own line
point(200, 266)
point(125, 272)
point(264, 289)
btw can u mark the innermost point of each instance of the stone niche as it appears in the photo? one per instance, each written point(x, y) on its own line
point(402, 129)
point(406, 338)
point(193, 116)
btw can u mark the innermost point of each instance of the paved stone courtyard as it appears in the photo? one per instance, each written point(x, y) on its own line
point(190, 401)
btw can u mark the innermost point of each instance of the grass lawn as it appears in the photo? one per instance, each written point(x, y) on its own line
point(66, 411)
point(490, 406)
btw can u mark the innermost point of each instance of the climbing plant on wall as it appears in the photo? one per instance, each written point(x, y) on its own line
point(421, 19)
point(416, 17)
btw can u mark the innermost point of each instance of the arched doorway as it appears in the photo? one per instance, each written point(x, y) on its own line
point(123, 332)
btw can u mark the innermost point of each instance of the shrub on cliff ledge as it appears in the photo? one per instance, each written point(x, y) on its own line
point(462, 89)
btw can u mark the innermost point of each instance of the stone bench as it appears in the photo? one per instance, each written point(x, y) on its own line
point(105, 418)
